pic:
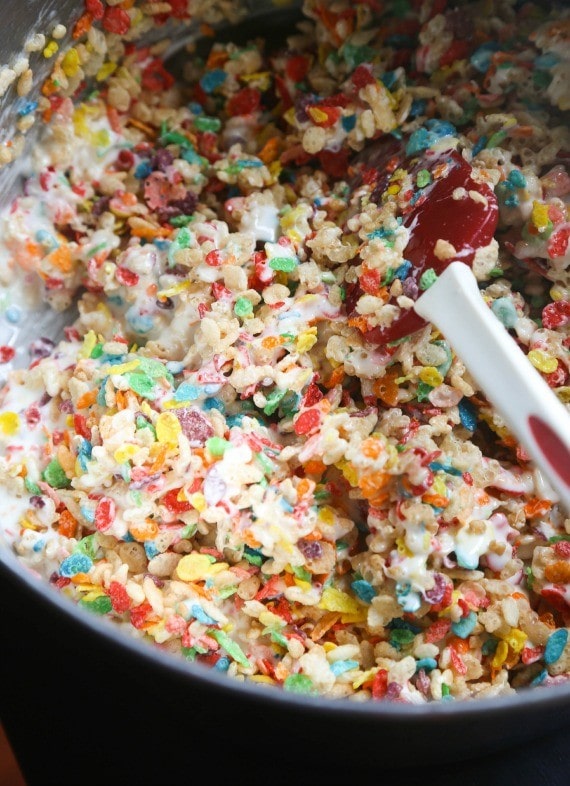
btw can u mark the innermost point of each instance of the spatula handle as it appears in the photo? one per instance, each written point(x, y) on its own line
point(529, 407)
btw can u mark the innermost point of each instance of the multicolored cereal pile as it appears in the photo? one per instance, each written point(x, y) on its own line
point(214, 457)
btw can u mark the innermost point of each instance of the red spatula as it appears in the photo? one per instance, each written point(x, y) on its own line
point(455, 211)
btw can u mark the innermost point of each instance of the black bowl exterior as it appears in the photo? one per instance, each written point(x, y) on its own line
point(83, 703)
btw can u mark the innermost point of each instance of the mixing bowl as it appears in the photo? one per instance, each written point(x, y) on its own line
point(82, 701)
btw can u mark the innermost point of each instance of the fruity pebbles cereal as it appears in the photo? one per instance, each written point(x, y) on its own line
point(216, 457)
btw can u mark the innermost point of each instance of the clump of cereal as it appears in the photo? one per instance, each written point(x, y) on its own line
point(215, 457)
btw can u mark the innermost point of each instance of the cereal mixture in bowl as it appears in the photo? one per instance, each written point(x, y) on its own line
point(214, 457)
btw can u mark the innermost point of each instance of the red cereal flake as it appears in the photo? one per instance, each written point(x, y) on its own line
point(244, 102)
point(307, 422)
point(104, 514)
point(562, 548)
point(81, 427)
point(119, 597)
point(155, 77)
point(140, 614)
point(220, 292)
point(370, 281)
point(556, 314)
point(558, 242)
point(457, 51)
point(312, 396)
point(95, 8)
point(126, 277)
point(380, 684)
point(362, 76)
point(213, 258)
point(558, 377)
point(296, 67)
point(437, 631)
point(6, 353)
point(115, 20)
point(457, 662)
point(531, 654)
point(173, 504)
point(555, 598)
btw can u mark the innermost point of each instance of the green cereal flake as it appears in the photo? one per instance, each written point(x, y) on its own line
point(154, 368)
point(285, 264)
point(101, 605)
point(202, 123)
point(55, 476)
point(142, 385)
point(273, 400)
point(89, 546)
point(180, 221)
point(428, 278)
point(97, 351)
point(243, 307)
point(423, 391)
point(423, 178)
point(217, 446)
point(299, 683)
point(234, 650)
point(31, 487)
point(302, 573)
point(183, 237)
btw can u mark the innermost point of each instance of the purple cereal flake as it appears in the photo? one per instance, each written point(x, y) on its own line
point(423, 683)
point(100, 205)
point(135, 485)
point(310, 549)
point(214, 487)
point(363, 413)
point(41, 348)
point(162, 159)
point(410, 288)
point(195, 426)
point(393, 691)
point(37, 502)
point(66, 406)
point(436, 593)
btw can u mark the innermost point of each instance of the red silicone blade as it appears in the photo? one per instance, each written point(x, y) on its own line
point(467, 223)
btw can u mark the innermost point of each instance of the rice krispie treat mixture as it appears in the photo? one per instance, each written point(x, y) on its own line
point(215, 457)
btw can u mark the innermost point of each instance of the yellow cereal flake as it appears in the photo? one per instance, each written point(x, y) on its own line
point(123, 368)
point(71, 63)
point(335, 600)
point(198, 567)
point(198, 501)
point(105, 71)
point(306, 340)
point(167, 428)
point(174, 290)
point(516, 639)
point(543, 361)
point(431, 376)
point(500, 655)
point(539, 216)
point(9, 423)
point(124, 453)
point(89, 342)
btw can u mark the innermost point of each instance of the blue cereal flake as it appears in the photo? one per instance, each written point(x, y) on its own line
point(143, 170)
point(187, 392)
point(75, 563)
point(467, 414)
point(364, 590)
point(504, 309)
point(428, 135)
point(222, 664)
point(151, 549)
point(427, 664)
point(199, 614)
point(555, 645)
point(213, 79)
point(540, 677)
point(464, 627)
point(340, 666)
point(481, 57)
